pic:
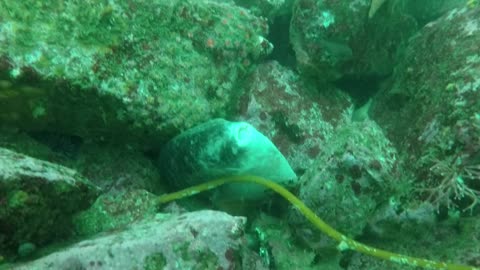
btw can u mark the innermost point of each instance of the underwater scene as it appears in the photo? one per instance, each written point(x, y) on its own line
point(240, 134)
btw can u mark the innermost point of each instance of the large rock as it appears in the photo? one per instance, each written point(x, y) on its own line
point(356, 173)
point(115, 210)
point(386, 31)
point(144, 70)
point(116, 168)
point(290, 111)
point(419, 233)
point(38, 200)
point(430, 109)
point(198, 240)
point(108, 166)
point(359, 39)
point(220, 148)
point(321, 33)
point(427, 10)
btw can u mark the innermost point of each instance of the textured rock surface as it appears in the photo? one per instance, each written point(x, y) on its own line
point(427, 10)
point(291, 112)
point(443, 241)
point(431, 108)
point(38, 200)
point(321, 33)
point(90, 85)
point(356, 174)
point(333, 39)
point(220, 148)
point(114, 211)
point(108, 166)
point(274, 237)
point(198, 240)
point(144, 69)
point(383, 36)
point(375, 48)
point(114, 167)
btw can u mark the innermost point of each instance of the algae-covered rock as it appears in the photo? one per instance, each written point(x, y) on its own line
point(197, 240)
point(108, 166)
point(220, 148)
point(356, 174)
point(38, 200)
point(431, 109)
point(351, 40)
point(454, 240)
point(115, 210)
point(119, 168)
point(291, 112)
point(322, 34)
point(139, 68)
point(275, 241)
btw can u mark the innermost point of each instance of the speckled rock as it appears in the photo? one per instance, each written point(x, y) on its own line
point(291, 112)
point(280, 249)
point(38, 200)
point(385, 34)
point(115, 210)
point(321, 33)
point(114, 167)
point(435, 103)
point(356, 173)
point(220, 148)
point(454, 240)
point(427, 10)
point(144, 70)
point(108, 166)
point(197, 240)
point(375, 48)
point(352, 39)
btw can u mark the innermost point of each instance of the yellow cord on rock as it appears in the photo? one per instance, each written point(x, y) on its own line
point(344, 242)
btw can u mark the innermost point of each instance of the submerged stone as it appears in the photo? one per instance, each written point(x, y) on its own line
point(220, 148)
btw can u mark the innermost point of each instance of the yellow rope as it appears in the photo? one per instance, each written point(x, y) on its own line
point(344, 242)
